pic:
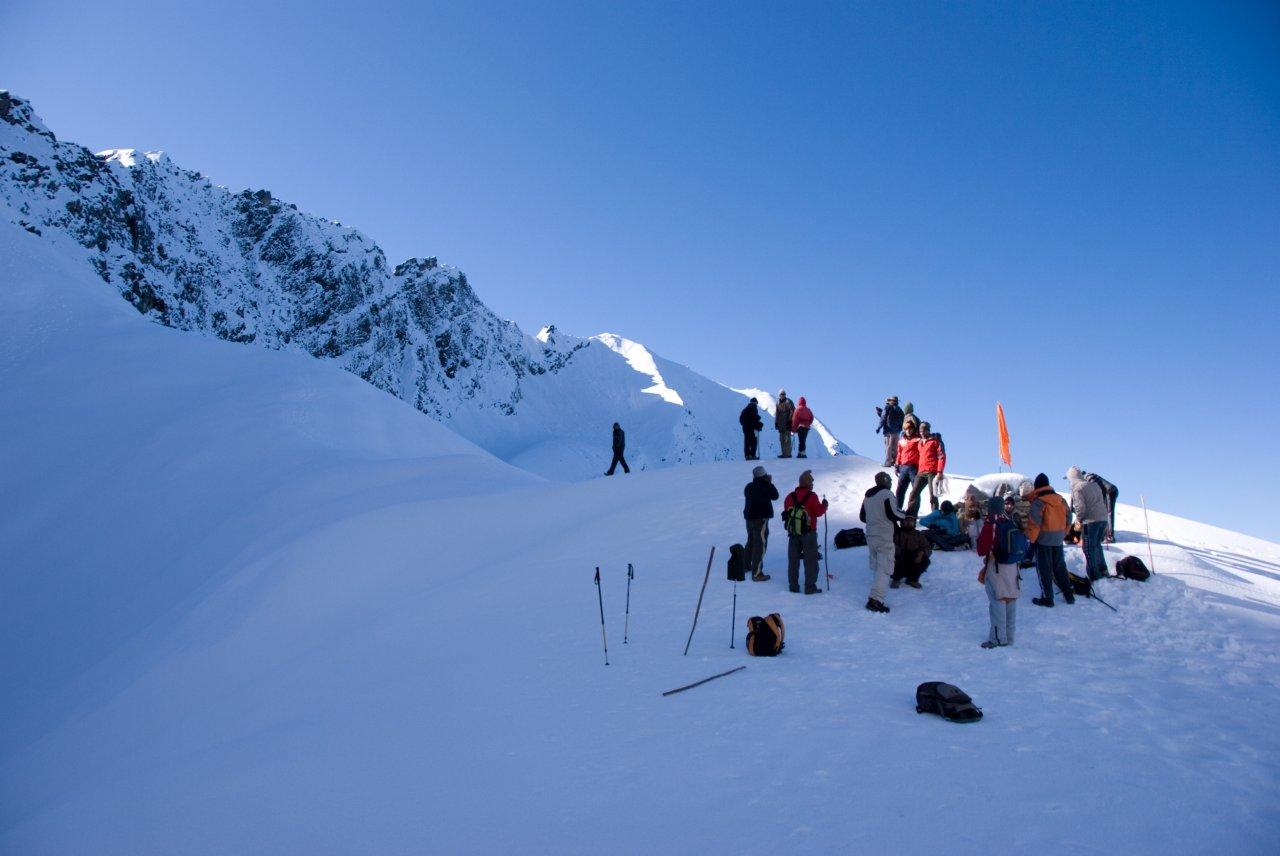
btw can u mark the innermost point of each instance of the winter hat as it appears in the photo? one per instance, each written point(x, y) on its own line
point(948, 507)
point(802, 404)
point(806, 478)
point(883, 480)
point(995, 505)
point(1074, 474)
point(1025, 488)
point(759, 472)
point(893, 399)
point(1042, 480)
point(782, 393)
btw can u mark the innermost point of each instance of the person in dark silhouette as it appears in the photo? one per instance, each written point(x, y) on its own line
point(751, 424)
point(619, 444)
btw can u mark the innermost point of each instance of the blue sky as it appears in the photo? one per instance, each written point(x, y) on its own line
point(1072, 208)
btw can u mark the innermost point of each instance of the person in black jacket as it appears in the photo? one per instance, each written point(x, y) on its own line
point(757, 511)
point(890, 426)
point(751, 424)
point(619, 444)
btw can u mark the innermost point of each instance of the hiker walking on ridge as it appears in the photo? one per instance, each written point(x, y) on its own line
point(1047, 524)
point(619, 446)
point(801, 422)
point(1089, 504)
point(800, 514)
point(890, 426)
point(749, 419)
point(881, 514)
point(782, 421)
point(757, 511)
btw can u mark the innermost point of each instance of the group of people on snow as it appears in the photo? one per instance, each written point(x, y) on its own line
point(788, 418)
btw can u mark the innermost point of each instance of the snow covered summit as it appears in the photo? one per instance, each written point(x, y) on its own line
point(249, 268)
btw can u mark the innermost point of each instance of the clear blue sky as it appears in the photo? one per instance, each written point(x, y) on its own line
point(1073, 208)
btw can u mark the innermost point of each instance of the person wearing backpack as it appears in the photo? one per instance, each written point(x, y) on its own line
point(1112, 493)
point(1089, 505)
point(933, 461)
point(801, 422)
point(751, 424)
point(1002, 547)
point(911, 555)
point(908, 461)
point(619, 445)
point(881, 514)
point(890, 426)
point(757, 511)
point(1047, 523)
point(782, 421)
point(801, 510)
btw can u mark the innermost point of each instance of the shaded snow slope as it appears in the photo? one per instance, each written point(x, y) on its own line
point(253, 605)
point(249, 268)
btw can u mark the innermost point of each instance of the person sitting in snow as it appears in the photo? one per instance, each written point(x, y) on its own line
point(942, 528)
point(782, 422)
point(804, 544)
point(972, 512)
point(619, 445)
point(751, 424)
point(757, 511)
point(911, 556)
point(1002, 581)
point(881, 515)
point(801, 422)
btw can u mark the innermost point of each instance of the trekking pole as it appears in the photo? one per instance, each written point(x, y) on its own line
point(826, 554)
point(626, 624)
point(698, 608)
point(733, 619)
point(603, 637)
point(1094, 595)
point(1147, 519)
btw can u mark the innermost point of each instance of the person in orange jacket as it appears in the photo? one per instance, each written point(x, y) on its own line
point(1047, 525)
point(933, 461)
point(801, 422)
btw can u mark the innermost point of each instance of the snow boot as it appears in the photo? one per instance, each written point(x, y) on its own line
point(915, 584)
point(813, 591)
point(895, 584)
point(794, 589)
point(1040, 601)
point(874, 605)
point(761, 577)
point(989, 644)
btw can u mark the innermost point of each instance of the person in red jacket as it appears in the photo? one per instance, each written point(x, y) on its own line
point(933, 460)
point(908, 461)
point(801, 422)
point(806, 543)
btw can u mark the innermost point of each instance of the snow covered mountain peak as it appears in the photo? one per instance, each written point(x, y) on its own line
point(247, 267)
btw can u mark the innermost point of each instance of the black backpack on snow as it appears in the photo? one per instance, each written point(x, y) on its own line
point(1081, 586)
point(948, 701)
point(854, 537)
point(765, 636)
point(1132, 568)
point(737, 570)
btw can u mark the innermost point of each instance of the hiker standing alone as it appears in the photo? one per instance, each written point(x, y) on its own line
point(749, 419)
point(801, 422)
point(1089, 504)
point(1047, 523)
point(802, 533)
point(757, 511)
point(881, 514)
point(891, 417)
point(619, 445)
point(782, 421)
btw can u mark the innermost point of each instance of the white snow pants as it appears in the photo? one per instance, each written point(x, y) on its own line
point(880, 554)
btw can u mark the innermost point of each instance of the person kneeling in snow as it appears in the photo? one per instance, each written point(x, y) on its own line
point(911, 558)
point(1000, 571)
point(881, 514)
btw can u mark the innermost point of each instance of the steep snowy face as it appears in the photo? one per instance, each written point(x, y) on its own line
point(249, 268)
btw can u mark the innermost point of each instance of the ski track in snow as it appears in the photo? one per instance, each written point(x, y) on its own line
point(251, 604)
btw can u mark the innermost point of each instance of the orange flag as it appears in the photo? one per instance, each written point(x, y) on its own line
point(1004, 436)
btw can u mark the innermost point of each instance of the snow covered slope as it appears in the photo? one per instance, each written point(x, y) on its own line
point(249, 268)
point(252, 605)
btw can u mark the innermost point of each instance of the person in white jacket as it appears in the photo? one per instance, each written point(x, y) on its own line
point(1002, 581)
point(881, 514)
point(1089, 504)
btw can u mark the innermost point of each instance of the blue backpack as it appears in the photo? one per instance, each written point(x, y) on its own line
point(1011, 545)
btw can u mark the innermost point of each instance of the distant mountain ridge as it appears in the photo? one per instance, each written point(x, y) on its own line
point(246, 267)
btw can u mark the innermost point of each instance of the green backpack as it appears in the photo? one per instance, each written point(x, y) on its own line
point(796, 518)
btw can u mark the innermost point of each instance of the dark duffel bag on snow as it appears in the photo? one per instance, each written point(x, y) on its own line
point(1132, 568)
point(854, 537)
point(765, 636)
point(737, 570)
point(948, 701)
point(1080, 585)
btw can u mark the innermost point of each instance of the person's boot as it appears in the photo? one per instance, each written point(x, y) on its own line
point(874, 605)
point(989, 644)
point(761, 577)
point(812, 590)
point(895, 584)
point(794, 589)
point(1042, 601)
point(915, 584)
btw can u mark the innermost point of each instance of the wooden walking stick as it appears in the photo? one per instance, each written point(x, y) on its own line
point(698, 608)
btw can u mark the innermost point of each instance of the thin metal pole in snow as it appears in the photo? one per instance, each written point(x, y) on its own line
point(698, 608)
point(1147, 519)
point(826, 554)
point(626, 624)
point(733, 618)
point(603, 637)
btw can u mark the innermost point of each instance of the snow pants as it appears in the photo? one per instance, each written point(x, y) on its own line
point(906, 476)
point(913, 504)
point(784, 443)
point(750, 442)
point(1003, 614)
point(890, 449)
point(806, 545)
point(803, 434)
point(618, 459)
point(757, 544)
point(880, 554)
point(1095, 559)
point(1051, 567)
